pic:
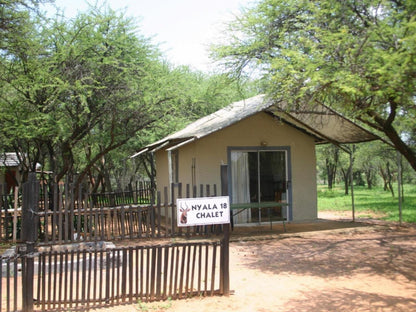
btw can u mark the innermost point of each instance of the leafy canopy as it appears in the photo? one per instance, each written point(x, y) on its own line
point(77, 86)
point(81, 95)
point(357, 56)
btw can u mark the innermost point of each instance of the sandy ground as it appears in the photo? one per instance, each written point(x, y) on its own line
point(366, 266)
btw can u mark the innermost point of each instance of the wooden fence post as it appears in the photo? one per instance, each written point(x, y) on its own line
point(225, 244)
point(29, 236)
point(15, 206)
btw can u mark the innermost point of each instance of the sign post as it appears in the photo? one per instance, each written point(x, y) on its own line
point(209, 211)
point(203, 211)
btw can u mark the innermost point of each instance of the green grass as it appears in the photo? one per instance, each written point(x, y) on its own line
point(375, 202)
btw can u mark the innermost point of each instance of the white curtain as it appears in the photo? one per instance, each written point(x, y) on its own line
point(240, 185)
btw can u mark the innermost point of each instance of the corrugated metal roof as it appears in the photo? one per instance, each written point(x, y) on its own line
point(218, 120)
point(9, 160)
point(319, 121)
point(327, 125)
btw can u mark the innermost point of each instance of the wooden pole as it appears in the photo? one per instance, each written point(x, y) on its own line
point(352, 181)
point(225, 243)
point(29, 230)
point(16, 205)
point(399, 185)
point(225, 259)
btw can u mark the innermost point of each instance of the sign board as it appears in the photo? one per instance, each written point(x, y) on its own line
point(203, 210)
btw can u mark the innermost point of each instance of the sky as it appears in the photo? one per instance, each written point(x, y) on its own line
point(183, 29)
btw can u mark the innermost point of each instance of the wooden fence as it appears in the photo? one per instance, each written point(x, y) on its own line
point(65, 215)
point(92, 278)
point(58, 211)
point(88, 275)
point(10, 215)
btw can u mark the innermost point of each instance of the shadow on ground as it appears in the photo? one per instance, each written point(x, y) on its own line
point(351, 300)
point(338, 249)
point(290, 228)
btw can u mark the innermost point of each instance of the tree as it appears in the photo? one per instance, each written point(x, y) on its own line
point(329, 154)
point(344, 166)
point(194, 94)
point(356, 56)
point(366, 162)
point(79, 96)
point(74, 90)
point(14, 16)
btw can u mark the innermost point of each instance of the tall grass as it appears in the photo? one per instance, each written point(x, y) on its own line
point(372, 202)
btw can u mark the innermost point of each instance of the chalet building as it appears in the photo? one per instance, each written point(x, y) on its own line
point(268, 149)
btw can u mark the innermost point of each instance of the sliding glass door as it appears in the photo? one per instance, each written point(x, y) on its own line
point(259, 176)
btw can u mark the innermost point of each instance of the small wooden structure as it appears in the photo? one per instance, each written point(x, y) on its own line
point(268, 149)
point(9, 172)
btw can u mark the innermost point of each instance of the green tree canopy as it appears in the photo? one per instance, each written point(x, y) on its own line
point(356, 56)
point(77, 89)
point(14, 16)
point(192, 95)
point(81, 95)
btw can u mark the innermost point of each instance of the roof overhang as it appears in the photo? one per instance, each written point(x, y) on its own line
point(324, 124)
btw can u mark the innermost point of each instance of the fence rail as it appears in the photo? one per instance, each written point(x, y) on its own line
point(58, 199)
point(89, 276)
point(65, 216)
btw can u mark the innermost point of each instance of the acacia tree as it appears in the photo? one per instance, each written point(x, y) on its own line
point(14, 16)
point(357, 56)
point(194, 94)
point(74, 90)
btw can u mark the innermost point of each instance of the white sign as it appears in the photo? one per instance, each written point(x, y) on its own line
point(203, 210)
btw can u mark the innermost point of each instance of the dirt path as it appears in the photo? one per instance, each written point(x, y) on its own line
point(369, 268)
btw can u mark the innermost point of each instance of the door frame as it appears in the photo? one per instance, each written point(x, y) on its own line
point(265, 149)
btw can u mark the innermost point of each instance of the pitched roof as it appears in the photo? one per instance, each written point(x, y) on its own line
point(9, 160)
point(319, 121)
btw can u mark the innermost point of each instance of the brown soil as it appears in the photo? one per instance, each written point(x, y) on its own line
point(320, 266)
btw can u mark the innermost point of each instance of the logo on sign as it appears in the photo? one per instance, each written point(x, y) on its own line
point(203, 210)
point(183, 219)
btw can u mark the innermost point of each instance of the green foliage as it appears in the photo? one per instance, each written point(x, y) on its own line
point(375, 164)
point(376, 202)
point(356, 56)
point(81, 95)
point(141, 306)
point(194, 95)
point(73, 90)
point(14, 17)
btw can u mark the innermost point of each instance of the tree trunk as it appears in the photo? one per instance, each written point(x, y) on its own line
point(330, 176)
point(68, 161)
point(107, 181)
point(346, 175)
point(389, 179)
point(369, 178)
point(331, 169)
point(148, 164)
point(384, 177)
point(386, 126)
